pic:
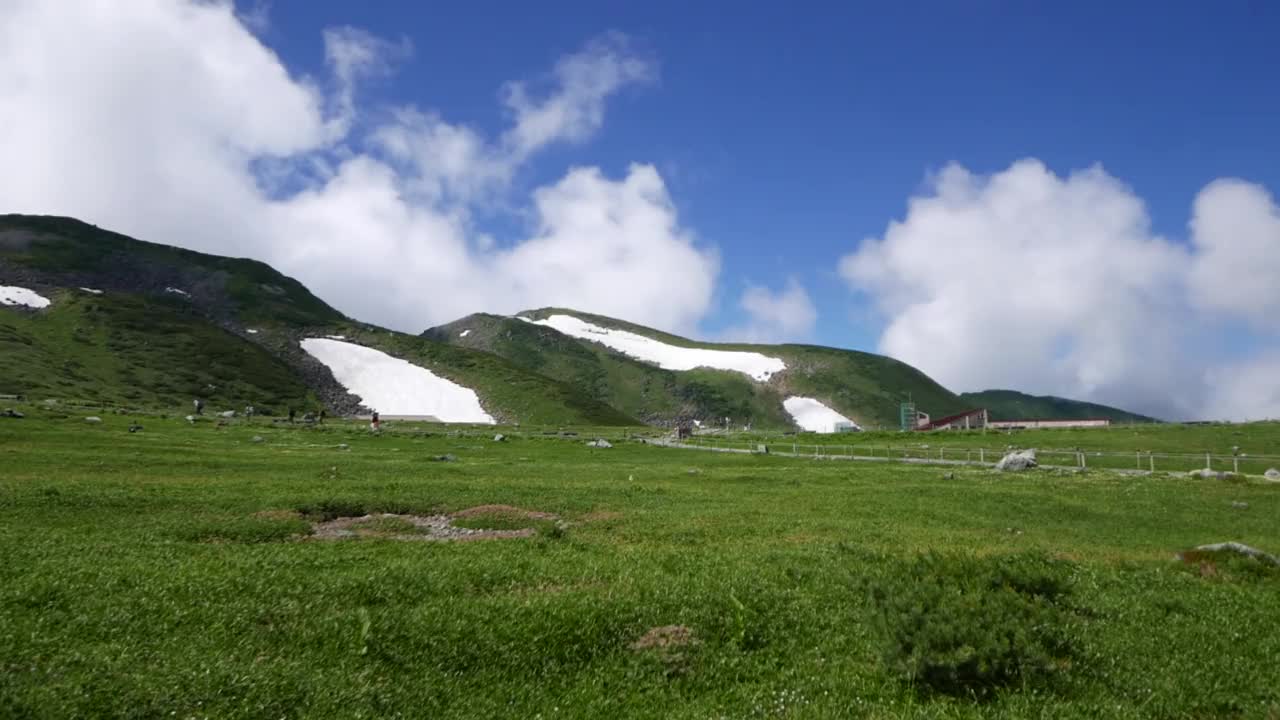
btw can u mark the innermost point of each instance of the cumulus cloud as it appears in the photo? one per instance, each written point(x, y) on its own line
point(1236, 231)
point(1052, 284)
point(170, 121)
point(786, 315)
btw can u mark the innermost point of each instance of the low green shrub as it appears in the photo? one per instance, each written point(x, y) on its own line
point(967, 627)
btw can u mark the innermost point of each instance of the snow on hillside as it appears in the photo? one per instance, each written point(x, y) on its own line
point(11, 295)
point(813, 416)
point(177, 291)
point(464, 333)
point(670, 357)
point(393, 386)
point(91, 290)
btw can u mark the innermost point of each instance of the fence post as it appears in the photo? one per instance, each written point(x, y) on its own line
point(1235, 465)
point(1152, 458)
point(1208, 462)
point(1084, 464)
point(1137, 457)
point(982, 455)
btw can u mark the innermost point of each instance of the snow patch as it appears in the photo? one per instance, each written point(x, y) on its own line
point(813, 416)
point(91, 290)
point(393, 386)
point(12, 295)
point(669, 357)
point(252, 331)
point(336, 337)
point(177, 291)
point(464, 333)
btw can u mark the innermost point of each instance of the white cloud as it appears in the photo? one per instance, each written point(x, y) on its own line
point(1236, 230)
point(575, 109)
point(1051, 284)
point(784, 316)
point(172, 122)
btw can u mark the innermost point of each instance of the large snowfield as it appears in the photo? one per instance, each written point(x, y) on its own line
point(813, 416)
point(669, 357)
point(396, 387)
point(11, 295)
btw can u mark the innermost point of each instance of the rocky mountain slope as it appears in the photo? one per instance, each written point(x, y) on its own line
point(133, 323)
point(863, 387)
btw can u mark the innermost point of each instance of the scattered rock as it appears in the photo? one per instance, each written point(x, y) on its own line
point(343, 446)
point(1272, 475)
point(390, 526)
point(135, 427)
point(1240, 505)
point(504, 511)
point(949, 476)
point(11, 413)
point(191, 419)
point(1234, 547)
point(257, 438)
point(1017, 461)
point(228, 414)
point(447, 457)
point(600, 443)
point(499, 438)
point(1206, 474)
point(93, 419)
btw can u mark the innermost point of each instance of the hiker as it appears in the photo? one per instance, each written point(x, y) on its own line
point(375, 424)
point(199, 406)
point(321, 416)
point(248, 411)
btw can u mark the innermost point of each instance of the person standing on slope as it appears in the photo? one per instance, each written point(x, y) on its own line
point(375, 424)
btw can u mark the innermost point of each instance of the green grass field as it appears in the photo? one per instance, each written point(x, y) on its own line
point(165, 573)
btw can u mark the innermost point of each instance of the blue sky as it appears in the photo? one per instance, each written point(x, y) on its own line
point(787, 134)
point(1075, 200)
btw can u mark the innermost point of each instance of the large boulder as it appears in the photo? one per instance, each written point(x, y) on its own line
point(1272, 475)
point(601, 443)
point(1017, 460)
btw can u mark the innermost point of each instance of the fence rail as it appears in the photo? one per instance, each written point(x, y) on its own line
point(1114, 460)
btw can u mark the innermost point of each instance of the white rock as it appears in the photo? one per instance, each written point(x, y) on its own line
point(93, 419)
point(1017, 460)
point(1273, 475)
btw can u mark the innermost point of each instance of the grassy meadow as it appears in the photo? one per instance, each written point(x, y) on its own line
point(168, 573)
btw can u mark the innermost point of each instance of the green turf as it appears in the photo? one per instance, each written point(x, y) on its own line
point(158, 574)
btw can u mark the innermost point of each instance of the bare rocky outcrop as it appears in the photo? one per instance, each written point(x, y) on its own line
point(1017, 461)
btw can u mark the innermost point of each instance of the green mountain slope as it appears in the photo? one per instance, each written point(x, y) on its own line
point(865, 387)
point(167, 325)
point(1014, 405)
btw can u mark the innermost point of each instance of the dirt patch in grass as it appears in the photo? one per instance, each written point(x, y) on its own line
point(665, 637)
point(503, 511)
point(390, 526)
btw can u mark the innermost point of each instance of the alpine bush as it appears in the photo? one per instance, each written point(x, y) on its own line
point(967, 627)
